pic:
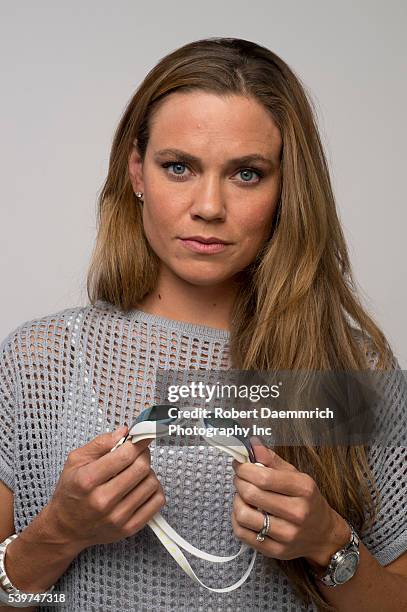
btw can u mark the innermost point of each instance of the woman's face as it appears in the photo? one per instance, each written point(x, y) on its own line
point(202, 188)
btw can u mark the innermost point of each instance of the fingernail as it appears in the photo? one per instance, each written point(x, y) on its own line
point(119, 432)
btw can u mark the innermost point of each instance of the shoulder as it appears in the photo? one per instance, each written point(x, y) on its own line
point(51, 335)
point(370, 351)
point(40, 335)
point(55, 322)
point(388, 384)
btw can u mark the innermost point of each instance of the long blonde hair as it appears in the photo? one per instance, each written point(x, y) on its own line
point(297, 306)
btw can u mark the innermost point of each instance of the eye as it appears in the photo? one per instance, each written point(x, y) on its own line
point(179, 175)
point(250, 171)
point(177, 166)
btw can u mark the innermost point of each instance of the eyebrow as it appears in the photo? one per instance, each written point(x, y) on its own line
point(184, 156)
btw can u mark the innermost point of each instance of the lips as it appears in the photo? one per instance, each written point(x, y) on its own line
point(206, 240)
point(203, 247)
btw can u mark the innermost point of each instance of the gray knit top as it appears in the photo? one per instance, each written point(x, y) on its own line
point(71, 375)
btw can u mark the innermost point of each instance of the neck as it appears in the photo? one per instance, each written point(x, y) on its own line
point(198, 304)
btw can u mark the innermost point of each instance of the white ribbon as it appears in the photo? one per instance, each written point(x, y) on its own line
point(168, 536)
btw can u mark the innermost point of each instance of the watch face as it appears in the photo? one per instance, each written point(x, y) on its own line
point(346, 568)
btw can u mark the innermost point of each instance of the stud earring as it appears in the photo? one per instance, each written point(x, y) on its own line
point(139, 195)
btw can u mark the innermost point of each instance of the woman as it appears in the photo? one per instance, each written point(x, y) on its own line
point(219, 142)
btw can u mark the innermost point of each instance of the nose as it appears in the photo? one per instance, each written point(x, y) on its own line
point(208, 200)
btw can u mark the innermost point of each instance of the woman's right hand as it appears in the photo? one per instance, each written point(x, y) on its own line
point(104, 496)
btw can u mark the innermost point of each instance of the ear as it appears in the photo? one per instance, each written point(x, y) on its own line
point(136, 169)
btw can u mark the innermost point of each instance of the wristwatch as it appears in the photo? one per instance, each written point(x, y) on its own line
point(343, 564)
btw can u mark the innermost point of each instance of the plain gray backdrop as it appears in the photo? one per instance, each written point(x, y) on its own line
point(68, 70)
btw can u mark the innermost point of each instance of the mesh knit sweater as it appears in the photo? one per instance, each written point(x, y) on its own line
point(69, 376)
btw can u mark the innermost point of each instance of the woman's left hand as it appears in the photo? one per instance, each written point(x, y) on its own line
point(302, 523)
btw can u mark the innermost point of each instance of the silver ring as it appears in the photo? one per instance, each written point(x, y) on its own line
point(263, 531)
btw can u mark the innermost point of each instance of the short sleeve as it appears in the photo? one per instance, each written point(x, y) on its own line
point(8, 403)
point(387, 538)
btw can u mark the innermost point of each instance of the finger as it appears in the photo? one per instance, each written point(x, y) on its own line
point(269, 457)
point(135, 498)
point(97, 447)
point(279, 529)
point(106, 467)
point(269, 479)
point(269, 547)
point(118, 487)
point(145, 513)
point(280, 505)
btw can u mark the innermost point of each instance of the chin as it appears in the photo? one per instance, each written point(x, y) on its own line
point(204, 282)
point(202, 279)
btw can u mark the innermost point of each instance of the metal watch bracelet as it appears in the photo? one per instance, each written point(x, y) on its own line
point(328, 578)
point(6, 586)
